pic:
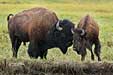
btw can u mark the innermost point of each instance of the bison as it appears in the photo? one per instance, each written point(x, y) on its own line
point(85, 36)
point(42, 28)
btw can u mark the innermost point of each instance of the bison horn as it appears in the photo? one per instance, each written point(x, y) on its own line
point(72, 30)
point(83, 32)
point(58, 27)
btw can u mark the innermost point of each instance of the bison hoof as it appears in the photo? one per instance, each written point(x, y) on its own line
point(92, 57)
point(83, 58)
point(99, 59)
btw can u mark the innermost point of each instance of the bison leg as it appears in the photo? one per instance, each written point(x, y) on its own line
point(15, 46)
point(44, 54)
point(83, 55)
point(89, 46)
point(97, 49)
point(92, 55)
point(63, 49)
point(43, 49)
point(33, 50)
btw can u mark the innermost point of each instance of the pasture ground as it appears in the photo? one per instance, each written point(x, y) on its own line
point(101, 10)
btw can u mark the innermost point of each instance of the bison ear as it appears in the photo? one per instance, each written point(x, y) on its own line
point(73, 30)
point(58, 26)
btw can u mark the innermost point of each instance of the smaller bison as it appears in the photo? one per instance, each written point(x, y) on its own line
point(85, 36)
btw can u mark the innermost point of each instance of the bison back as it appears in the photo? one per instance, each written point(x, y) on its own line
point(33, 23)
point(90, 26)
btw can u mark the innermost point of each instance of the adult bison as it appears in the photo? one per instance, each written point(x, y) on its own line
point(85, 35)
point(42, 28)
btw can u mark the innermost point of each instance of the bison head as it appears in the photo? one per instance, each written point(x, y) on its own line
point(64, 34)
point(79, 40)
point(60, 35)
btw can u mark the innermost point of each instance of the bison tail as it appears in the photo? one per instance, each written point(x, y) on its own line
point(9, 16)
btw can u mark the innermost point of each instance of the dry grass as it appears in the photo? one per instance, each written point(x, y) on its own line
point(55, 68)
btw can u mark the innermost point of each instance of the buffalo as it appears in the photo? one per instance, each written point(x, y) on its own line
point(42, 29)
point(85, 36)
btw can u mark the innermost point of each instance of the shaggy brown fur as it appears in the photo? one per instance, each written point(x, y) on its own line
point(90, 26)
point(30, 25)
point(90, 36)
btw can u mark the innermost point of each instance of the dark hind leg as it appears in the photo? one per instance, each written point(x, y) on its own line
point(97, 49)
point(15, 45)
point(89, 46)
point(92, 55)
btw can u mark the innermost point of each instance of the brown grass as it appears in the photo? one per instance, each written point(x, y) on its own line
point(56, 68)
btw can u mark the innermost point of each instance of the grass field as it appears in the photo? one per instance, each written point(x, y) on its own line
point(101, 10)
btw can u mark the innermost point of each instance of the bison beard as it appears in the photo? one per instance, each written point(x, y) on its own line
point(42, 29)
